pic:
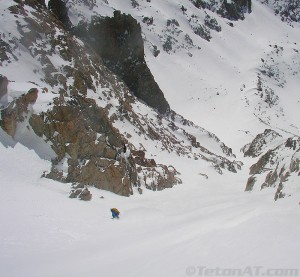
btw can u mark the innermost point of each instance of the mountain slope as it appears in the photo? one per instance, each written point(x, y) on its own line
point(86, 115)
point(237, 78)
point(235, 93)
point(217, 72)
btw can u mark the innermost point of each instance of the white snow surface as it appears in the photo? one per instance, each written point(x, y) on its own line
point(203, 227)
point(208, 223)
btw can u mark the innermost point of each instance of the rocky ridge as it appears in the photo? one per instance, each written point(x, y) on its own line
point(77, 107)
point(287, 10)
point(276, 166)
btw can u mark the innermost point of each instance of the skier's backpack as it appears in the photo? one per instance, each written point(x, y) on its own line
point(115, 210)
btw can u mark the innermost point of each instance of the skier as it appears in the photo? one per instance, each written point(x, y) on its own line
point(115, 213)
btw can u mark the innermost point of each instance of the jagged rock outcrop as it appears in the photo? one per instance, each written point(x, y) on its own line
point(83, 137)
point(89, 150)
point(250, 183)
point(80, 192)
point(139, 158)
point(276, 166)
point(59, 8)
point(158, 179)
point(17, 111)
point(235, 9)
point(118, 40)
point(3, 91)
point(200, 29)
point(287, 10)
point(260, 143)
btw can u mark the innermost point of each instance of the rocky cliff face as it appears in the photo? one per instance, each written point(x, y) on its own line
point(85, 141)
point(17, 111)
point(59, 8)
point(118, 40)
point(78, 108)
point(260, 143)
point(89, 150)
point(276, 166)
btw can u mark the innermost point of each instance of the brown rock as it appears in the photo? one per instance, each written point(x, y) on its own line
point(16, 110)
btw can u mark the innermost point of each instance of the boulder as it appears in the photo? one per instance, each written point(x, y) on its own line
point(80, 192)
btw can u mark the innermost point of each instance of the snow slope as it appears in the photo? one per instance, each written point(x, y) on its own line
point(204, 222)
